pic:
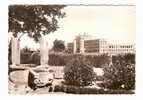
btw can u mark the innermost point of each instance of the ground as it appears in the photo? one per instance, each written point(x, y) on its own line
point(24, 89)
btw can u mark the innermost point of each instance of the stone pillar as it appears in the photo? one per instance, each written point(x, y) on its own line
point(74, 46)
point(44, 51)
point(15, 45)
point(81, 45)
point(110, 58)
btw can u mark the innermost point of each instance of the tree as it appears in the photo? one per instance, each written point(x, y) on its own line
point(34, 20)
point(69, 51)
point(78, 72)
point(59, 46)
point(121, 75)
point(130, 58)
point(25, 54)
point(26, 50)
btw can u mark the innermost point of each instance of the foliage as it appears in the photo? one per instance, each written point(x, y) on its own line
point(122, 74)
point(59, 46)
point(30, 58)
point(25, 54)
point(78, 72)
point(81, 90)
point(99, 60)
point(56, 60)
point(129, 58)
point(9, 54)
point(69, 51)
point(25, 50)
point(61, 59)
point(35, 58)
point(25, 58)
point(34, 20)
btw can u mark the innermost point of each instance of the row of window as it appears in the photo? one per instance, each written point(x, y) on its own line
point(123, 46)
point(121, 50)
point(95, 45)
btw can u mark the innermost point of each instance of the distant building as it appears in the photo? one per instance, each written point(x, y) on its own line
point(86, 44)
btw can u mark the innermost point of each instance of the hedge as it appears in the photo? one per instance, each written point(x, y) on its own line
point(29, 58)
point(79, 90)
point(62, 59)
point(25, 58)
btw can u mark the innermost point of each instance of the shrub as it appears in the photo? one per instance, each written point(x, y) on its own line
point(98, 60)
point(25, 58)
point(80, 90)
point(130, 58)
point(30, 58)
point(63, 59)
point(121, 75)
point(56, 60)
point(78, 72)
point(60, 59)
point(35, 58)
point(58, 88)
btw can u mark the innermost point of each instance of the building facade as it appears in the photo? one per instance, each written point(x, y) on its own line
point(86, 44)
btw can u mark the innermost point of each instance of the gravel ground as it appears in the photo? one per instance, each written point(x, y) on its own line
point(24, 89)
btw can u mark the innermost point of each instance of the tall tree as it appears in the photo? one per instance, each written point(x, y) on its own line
point(35, 20)
point(59, 46)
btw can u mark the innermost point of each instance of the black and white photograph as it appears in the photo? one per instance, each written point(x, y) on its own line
point(71, 49)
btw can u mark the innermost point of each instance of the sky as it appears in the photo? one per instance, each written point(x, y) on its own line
point(115, 23)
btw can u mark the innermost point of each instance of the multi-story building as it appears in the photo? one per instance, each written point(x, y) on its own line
point(86, 44)
point(121, 48)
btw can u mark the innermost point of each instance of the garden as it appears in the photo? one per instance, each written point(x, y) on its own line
point(118, 78)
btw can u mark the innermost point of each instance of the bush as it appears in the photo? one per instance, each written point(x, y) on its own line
point(30, 58)
point(56, 60)
point(130, 58)
point(121, 75)
point(98, 60)
point(58, 88)
point(25, 58)
point(78, 72)
point(127, 58)
point(79, 90)
point(35, 58)
point(63, 59)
